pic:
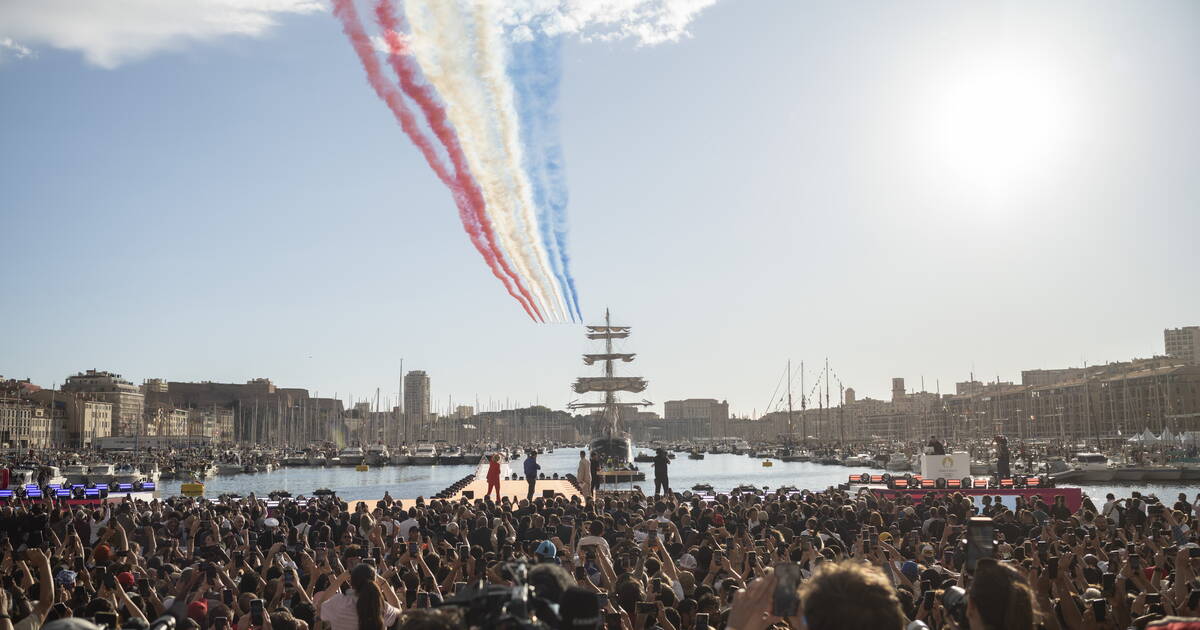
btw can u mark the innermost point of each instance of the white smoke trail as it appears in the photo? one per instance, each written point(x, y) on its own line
point(648, 22)
point(493, 63)
point(446, 45)
point(440, 40)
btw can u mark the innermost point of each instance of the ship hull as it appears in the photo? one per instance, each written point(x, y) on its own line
point(619, 450)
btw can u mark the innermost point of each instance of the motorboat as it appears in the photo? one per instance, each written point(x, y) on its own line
point(351, 456)
point(898, 462)
point(295, 458)
point(696, 454)
point(378, 455)
point(230, 466)
point(426, 455)
point(1092, 468)
point(450, 456)
point(861, 459)
point(101, 473)
point(127, 473)
point(402, 456)
point(76, 473)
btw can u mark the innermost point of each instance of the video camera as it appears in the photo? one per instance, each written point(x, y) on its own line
point(505, 607)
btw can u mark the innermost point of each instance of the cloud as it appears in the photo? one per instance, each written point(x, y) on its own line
point(109, 33)
point(10, 47)
point(645, 21)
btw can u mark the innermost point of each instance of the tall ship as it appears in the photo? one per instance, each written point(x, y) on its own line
point(610, 437)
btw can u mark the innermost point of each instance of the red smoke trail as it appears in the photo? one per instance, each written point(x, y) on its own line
point(406, 69)
point(467, 211)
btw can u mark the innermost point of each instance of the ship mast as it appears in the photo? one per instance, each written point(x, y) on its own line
point(610, 383)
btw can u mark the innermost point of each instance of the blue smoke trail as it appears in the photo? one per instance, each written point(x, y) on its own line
point(535, 68)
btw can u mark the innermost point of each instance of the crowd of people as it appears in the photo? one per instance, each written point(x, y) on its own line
point(613, 560)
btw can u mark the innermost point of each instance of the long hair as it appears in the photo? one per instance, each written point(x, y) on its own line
point(1003, 597)
point(370, 601)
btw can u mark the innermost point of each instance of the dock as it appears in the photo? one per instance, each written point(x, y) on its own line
point(516, 489)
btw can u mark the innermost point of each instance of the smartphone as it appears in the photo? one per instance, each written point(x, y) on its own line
point(1052, 567)
point(464, 552)
point(980, 540)
point(413, 548)
point(220, 623)
point(1135, 561)
point(256, 612)
point(787, 578)
point(647, 608)
point(580, 574)
point(106, 619)
point(1100, 609)
point(459, 586)
point(1043, 547)
point(143, 585)
point(110, 580)
point(614, 620)
point(701, 621)
point(1153, 598)
point(1108, 582)
point(927, 599)
point(210, 572)
point(1194, 552)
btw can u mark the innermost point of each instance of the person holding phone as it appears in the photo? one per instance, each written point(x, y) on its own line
point(370, 604)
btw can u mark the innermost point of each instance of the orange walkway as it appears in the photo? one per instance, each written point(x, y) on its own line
point(509, 488)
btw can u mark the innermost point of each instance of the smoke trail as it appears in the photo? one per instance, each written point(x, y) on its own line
point(479, 232)
point(492, 56)
point(438, 40)
point(535, 70)
point(408, 73)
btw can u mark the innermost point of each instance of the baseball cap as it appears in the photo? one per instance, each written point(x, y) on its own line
point(547, 549)
point(65, 577)
point(687, 561)
point(126, 579)
point(910, 569)
point(198, 610)
point(885, 537)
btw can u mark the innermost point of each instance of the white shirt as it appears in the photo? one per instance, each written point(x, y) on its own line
point(596, 541)
point(406, 526)
point(341, 613)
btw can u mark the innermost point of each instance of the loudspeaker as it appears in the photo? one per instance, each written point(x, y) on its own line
point(547, 494)
point(468, 494)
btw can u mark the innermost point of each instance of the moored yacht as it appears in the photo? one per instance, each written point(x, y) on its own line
point(351, 456)
point(402, 456)
point(378, 455)
point(426, 455)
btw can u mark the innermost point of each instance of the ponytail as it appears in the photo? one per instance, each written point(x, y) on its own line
point(370, 600)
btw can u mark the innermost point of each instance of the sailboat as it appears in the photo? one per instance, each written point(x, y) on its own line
point(611, 439)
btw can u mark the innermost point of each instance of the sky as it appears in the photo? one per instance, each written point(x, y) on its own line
point(921, 189)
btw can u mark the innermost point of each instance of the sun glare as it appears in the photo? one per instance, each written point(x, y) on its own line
point(999, 125)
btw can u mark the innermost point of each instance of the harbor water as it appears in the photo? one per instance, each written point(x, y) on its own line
point(722, 472)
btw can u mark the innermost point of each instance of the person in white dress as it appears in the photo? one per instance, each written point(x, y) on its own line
point(584, 474)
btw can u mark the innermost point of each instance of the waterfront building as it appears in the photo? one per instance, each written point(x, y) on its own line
point(417, 405)
point(128, 402)
point(1183, 343)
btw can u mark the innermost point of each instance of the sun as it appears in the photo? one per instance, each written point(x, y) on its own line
point(1000, 124)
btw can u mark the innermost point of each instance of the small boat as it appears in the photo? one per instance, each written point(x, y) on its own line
point(295, 459)
point(426, 455)
point(696, 454)
point(450, 456)
point(101, 473)
point(231, 466)
point(644, 458)
point(351, 456)
point(898, 462)
point(378, 455)
point(767, 463)
point(362, 468)
point(192, 489)
point(402, 456)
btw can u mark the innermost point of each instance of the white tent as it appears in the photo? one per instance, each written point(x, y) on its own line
point(1147, 437)
point(1167, 436)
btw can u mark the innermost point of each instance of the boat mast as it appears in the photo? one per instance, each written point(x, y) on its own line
point(610, 396)
point(790, 429)
point(803, 407)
